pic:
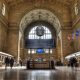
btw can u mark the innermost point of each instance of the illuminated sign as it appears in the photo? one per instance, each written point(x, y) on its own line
point(40, 51)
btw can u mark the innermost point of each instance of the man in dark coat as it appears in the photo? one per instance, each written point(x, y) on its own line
point(7, 61)
point(52, 63)
point(73, 62)
point(28, 64)
point(11, 62)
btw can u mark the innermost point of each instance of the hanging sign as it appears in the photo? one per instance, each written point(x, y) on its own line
point(77, 33)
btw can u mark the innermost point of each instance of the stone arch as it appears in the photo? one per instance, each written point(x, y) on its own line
point(58, 15)
point(35, 15)
point(40, 14)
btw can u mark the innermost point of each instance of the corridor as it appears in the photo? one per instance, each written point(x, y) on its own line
point(61, 73)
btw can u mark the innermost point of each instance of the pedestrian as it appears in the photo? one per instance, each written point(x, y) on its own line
point(73, 62)
point(20, 62)
point(28, 63)
point(11, 62)
point(52, 65)
point(7, 60)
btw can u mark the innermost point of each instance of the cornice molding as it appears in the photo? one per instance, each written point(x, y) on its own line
point(13, 3)
point(66, 28)
point(13, 26)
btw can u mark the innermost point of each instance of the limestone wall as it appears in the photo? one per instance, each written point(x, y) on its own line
point(12, 43)
point(3, 27)
point(61, 11)
point(10, 35)
point(76, 24)
point(3, 37)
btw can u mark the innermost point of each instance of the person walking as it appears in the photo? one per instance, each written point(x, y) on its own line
point(52, 65)
point(28, 63)
point(20, 62)
point(73, 62)
point(11, 62)
point(7, 61)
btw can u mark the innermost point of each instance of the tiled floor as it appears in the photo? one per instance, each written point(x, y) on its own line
point(61, 73)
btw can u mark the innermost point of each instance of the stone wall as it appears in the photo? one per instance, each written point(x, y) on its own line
point(67, 47)
point(17, 12)
point(3, 37)
point(9, 32)
point(12, 43)
point(76, 24)
point(61, 11)
point(3, 27)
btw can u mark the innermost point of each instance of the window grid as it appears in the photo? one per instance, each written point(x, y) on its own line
point(32, 35)
point(33, 51)
point(47, 33)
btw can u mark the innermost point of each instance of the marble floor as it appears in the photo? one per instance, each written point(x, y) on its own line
point(61, 73)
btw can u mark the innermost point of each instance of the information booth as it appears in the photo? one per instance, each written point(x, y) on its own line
point(40, 62)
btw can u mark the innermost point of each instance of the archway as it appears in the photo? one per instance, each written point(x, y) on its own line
point(38, 15)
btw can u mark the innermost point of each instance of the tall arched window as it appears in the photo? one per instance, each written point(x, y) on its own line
point(47, 33)
point(76, 8)
point(32, 35)
point(3, 9)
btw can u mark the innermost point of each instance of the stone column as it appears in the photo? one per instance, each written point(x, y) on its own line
point(0, 36)
point(66, 44)
point(18, 57)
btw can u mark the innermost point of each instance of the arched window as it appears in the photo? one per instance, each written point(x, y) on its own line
point(3, 9)
point(33, 35)
point(47, 33)
point(76, 9)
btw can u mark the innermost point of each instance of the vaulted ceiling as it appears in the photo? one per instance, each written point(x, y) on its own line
point(14, 2)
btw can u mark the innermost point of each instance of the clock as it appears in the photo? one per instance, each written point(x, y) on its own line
point(39, 31)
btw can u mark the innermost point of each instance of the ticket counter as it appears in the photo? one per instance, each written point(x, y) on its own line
point(39, 65)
